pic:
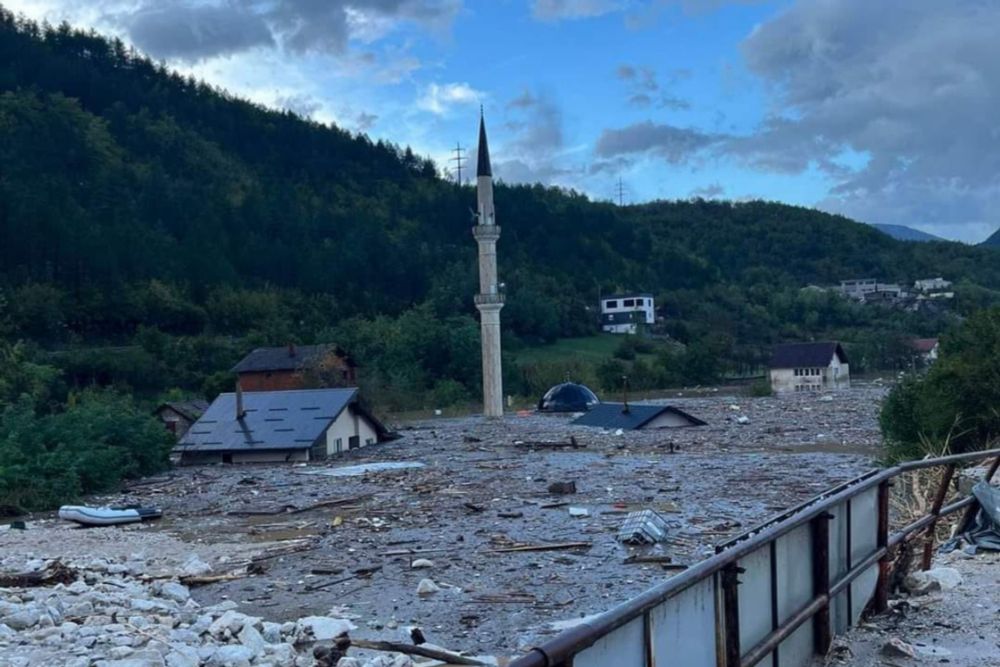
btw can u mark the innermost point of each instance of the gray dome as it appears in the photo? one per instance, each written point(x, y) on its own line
point(568, 397)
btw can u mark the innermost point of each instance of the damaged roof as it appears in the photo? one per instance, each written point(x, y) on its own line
point(287, 358)
point(614, 416)
point(802, 355)
point(190, 410)
point(272, 420)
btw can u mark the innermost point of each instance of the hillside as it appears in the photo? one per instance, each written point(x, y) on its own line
point(152, 228)
point(904, 233)
point(993, 240)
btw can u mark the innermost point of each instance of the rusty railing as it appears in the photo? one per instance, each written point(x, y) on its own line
point(775, 595)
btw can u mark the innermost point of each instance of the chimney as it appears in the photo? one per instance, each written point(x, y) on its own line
point(240, 412)
point(625, 409)
point(291, 349)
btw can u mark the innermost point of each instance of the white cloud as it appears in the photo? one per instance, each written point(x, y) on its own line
point(440, 99)
point(557, 10)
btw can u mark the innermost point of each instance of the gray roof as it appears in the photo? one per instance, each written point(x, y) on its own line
point(806, 355)
point(612, 416)
point(273, 420)
point(282, 358)
point(189, 409)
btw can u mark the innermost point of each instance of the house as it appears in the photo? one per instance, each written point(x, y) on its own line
point(177, 416)
point(931, 284)
point(629, 417)
point(925, 349)
point(287, 425)
point(623, 313)
point(858, 288)
point(290, 367)
point(809, 367)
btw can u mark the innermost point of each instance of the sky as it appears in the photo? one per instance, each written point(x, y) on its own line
point(885, 111)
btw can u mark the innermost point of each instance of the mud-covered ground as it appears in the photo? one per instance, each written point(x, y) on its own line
point(477, 493)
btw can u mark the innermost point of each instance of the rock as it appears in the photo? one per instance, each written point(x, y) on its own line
point(182, 656)
point(81, 609)
point(252, 639)
point(174, 591)
point(282, 654)
point(6, 632)
point(743, 420)
point(194, 567)
point(421, 563)
point(22, 620)
point(897, 648)
point(324, 627)
point(232, 655)
point(233, 621)
point(272, 632)
point(426, 587)
point(938, 579)
point(349, 662)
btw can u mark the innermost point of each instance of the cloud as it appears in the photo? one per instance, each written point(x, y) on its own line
point(909, 88)
point(192, 30)
point(558, 10)
point(365, 121)
point(710, 191)
point(644, 90)
point(674, 144)
point(440, 99)
point(299, 103)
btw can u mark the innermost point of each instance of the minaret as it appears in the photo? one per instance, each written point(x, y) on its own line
point(489, 301)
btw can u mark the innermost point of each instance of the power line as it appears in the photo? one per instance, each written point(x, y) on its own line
point(459, 159)
point(620, 191)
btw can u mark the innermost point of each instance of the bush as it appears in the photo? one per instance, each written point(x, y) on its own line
point(955, 407)
point(760, 388)
point(47, 460)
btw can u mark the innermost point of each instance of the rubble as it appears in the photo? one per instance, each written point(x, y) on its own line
point(930, 581)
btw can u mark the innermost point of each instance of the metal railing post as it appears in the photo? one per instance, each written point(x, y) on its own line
point(942, 492)
point(885, 562)
point(731, 614)
point(821, 581)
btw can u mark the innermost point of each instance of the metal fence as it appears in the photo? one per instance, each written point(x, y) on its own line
point(775, 595)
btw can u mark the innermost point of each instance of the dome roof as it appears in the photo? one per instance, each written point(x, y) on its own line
point(568, 397)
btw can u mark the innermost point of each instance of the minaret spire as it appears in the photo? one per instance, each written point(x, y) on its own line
point(490, 300)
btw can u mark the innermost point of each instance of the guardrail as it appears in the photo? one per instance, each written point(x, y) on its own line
point(775, 595)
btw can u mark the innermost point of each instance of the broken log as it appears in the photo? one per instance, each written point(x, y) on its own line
point(205, 579)
point(394, 647)
point(333, 502)
point(549, 444)
point(54, 573)
point(543, 547)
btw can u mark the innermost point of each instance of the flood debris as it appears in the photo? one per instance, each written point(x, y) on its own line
point(643, 527)
point(365, 468)
point(562, 488)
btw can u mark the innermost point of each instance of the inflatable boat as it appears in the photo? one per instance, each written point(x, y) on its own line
point(107, 516)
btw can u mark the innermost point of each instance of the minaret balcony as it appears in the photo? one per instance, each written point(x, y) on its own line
point(486, 232)
point(488, 299)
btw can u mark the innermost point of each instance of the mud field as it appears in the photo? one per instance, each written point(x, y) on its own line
point(476, 501)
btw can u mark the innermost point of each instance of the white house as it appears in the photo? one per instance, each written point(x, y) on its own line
point(273, 426)
point(931, 284)
point(622, 313)
point(858, 288)
point(809, 367)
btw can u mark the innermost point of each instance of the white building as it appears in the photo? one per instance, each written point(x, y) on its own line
point(858, 288)
point(809, 367)
point(623, 313)
point(931, 284)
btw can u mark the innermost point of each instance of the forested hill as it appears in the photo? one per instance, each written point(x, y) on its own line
point(994, 239)
point(138, 207)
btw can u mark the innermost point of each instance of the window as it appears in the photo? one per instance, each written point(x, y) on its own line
point(628, 303)
point(611, 304)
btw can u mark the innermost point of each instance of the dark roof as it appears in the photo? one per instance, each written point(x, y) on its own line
point(806, 355)
point(189, 409)
point(924, 344)
point(272, 420)
point(483, 167)
point(568, 397)
point(612, 416)
point(283, 358)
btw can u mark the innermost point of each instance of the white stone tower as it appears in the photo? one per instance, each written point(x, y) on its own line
point(489, 301)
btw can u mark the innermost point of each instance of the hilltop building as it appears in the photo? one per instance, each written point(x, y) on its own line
point(280, 426)
point(490, 299)
point(931, 284)
point(809, 367)
point(285, 368)
point(925, 350)
point(623, 313)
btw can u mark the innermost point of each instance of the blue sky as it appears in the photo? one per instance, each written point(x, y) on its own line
point(881, 110)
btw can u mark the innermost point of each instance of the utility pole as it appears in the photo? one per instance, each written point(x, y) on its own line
point(459, 159)
point(620, 191)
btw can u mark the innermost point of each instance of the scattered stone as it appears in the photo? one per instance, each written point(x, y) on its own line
point(195, 567)
point(938, 579)
point(578, 512)
point(421, 563)
point(562, 488)
point(897, 648)
point(176, 592)
point(426, 588)
point(324, 627)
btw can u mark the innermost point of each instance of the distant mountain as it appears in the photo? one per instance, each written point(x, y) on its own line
point(993, 240)
point(904, 233)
